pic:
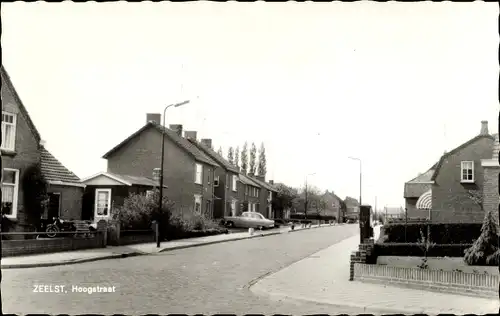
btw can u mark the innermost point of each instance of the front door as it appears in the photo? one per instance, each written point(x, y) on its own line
point(102, 207)
point(54, 205)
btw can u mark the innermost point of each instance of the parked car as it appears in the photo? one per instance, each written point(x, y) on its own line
point(249, 220)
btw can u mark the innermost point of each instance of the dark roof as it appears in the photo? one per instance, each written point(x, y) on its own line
point(215, 156)
point(349, 201)
point(246, 180)
point(333, 195)
point(263, 184)
point(180, 141)
point(136, 180)
point(53, 170)
point(424, 177)
point(446, 155)
point(8, 82)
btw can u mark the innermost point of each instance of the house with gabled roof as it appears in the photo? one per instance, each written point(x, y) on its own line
point(452, 190)
point(334, 206)
point(266, 197)
point(226, 181)
point(249, 195)
point(22, 147)
point(188, 172)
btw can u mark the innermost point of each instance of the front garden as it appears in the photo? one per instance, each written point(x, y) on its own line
point(463, 247)
point(139, 212)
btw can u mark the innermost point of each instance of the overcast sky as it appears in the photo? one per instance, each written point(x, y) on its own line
point(394, 84)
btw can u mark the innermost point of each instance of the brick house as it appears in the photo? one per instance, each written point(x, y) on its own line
point(249, 195)
point(352, 208)
point(491, 168)
point(419, 190)
point(334, 205)
point(266, 195)
point(23, 147)
point(455, 180)
point(226, 181)
point(188, 171)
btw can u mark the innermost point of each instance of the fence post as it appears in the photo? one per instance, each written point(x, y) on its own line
point(102, 229)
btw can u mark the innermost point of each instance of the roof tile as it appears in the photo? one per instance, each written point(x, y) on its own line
point(53, 170)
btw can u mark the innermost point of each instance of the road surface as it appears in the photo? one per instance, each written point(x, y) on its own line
point(202, 280)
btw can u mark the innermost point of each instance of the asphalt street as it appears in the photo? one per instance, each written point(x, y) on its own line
point(201, 280)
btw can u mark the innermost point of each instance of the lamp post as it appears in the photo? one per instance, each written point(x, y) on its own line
point(360, 177)
point(306, 202)
point(161, 165)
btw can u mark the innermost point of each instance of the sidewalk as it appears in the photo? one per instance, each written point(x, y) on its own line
point(110, 252)
point(326, 282)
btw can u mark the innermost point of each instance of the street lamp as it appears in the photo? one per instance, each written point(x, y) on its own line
point(306, 202)
point(161, 165)
point(360, 178)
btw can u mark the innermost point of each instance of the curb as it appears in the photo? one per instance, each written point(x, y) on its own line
point(216, 242)
point(68, 262)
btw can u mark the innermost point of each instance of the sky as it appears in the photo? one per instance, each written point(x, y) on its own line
point(393, 84)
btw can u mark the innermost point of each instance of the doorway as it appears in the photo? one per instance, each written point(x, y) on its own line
point(54, 205)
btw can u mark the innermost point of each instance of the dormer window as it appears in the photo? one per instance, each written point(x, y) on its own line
point(467, 171)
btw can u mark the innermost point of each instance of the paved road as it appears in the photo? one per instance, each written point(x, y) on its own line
point(202, 280)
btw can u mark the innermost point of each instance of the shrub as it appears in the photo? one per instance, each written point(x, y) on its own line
point(34, 186)
point(460, 233)
point(415, 250)
point(485, 248)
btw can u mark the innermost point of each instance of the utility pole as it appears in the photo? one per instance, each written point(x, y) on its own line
point(1, 180)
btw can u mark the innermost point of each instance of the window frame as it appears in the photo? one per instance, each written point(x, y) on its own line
point(216, 181)
point(15, 194)
point(462, 163)
point(96, 200)
point(198, 197)
point(198, 179)
point(235, 184)
point(14, 130)
point(209, 176)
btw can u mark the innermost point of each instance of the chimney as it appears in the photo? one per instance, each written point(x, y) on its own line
point(271, 182)
point(207, 142)
point(153, 117)
point(484, 128)
point(176, 128)
point(190, 135)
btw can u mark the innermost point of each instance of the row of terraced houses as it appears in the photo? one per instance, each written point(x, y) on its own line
point(195, 176)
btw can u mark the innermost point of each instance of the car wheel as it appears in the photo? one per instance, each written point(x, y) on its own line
point(229, 224)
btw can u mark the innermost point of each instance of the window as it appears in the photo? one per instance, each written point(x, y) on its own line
point(149, 194)
point(199, 174)
point(8, 131)
point(235, 183)
point(258, 192)
point(208, 176)
point(10, 189)
point(246, 190)
point(197, 204)
point(269, 196)
point(102, 202)
point(467, 171)
point(216, 181)
point(233, 208)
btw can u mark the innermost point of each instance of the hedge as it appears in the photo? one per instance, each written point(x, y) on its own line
point(415, 250)
point(198, 233)
point(461, 233)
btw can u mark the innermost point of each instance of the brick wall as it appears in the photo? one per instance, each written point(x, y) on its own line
point(363, 255)
point(71, 201)
point(12, 248)
point(490, 190)
point(26, 147)
point(484, 285)
point(449, 195)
